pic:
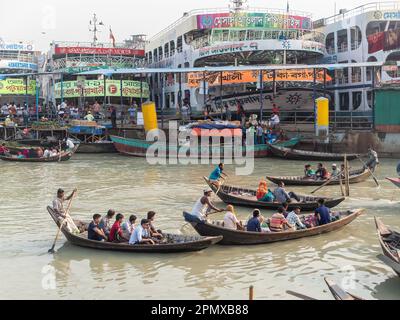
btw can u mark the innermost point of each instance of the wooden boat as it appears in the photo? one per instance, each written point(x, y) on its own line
point(103, 147)
point(340, 294)
point(173, 243)
point(139, 148)
point(65, 156)
point(292, 154)
point(247, 198)
point(395, 181)
point(356, 176)
point(232, 237)
point(390, 243)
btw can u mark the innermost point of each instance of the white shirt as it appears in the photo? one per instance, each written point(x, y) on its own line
point(199, 210)
point(137, 236)
point(230, 221)
point(46, 154)
point(275, 119)
point(70, 144)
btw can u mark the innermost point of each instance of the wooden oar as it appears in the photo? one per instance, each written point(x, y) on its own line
point(327, 183)
point(51, 250)
point(370, 171)
point(300, 296)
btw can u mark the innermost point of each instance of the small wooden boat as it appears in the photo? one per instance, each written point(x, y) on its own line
point(356, 176)
point(233, 237)
point(340, 294)
point(292, 154)
point(64, 156)
point(390, 243)
point(247, 198)
point(171, 244)
point(139, 148)
point(395, 181)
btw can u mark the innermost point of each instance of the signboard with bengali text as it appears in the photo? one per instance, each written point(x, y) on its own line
point(17, 87)
point(99, 51)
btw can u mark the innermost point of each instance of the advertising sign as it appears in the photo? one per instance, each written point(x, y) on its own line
point(16, 47)
point(11, 64)
point(253, 20)
point(99, 51)
point(95, 88)
point(236, 77)
point(17, 87)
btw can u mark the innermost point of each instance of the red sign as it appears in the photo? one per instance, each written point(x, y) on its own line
point(100, 51)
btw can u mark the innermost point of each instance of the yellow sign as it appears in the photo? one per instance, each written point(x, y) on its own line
point(17, 87)
point(322, 112)
point(214, 78)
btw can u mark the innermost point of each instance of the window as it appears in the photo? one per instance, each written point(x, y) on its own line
point(375, 27)
point(172, 47)
point(150, 57)
point(242, 35)
point(344, 101)
point(356, 37)
point(155, 55)
point(370, 97)
point(330, 43)
point(234, 35)
point(342, 41)
point(179, 44)
point(370, 69)
point(166, 50)
point(160, 53)
point(392, 67)
point(357, 99)
point(356, 73)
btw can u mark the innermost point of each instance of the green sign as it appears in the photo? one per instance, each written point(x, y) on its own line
point(95, 88)
point(17, 87)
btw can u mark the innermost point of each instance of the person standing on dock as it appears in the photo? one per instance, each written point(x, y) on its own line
point(113, 117)
point(202, 206)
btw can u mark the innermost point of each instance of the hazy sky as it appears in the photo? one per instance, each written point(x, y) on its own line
point(42, 21)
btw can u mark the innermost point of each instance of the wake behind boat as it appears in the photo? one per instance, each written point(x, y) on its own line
point(247, 198)
point(236, 237)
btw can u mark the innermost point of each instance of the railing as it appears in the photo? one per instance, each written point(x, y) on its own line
point(374, 6)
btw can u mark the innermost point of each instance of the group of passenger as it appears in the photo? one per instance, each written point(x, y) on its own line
point(322, 173)
point(113, 228)
point(279, 195)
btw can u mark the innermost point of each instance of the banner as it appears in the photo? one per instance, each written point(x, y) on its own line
point(11, 64)
point(16, 47)
point(99, 51)
point(17, 87)
point(253, 20)
point(214, 79)
point(392, 40)
point(375, 42)
point(95, 88)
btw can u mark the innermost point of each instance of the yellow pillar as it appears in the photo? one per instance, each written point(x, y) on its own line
point(150, 116)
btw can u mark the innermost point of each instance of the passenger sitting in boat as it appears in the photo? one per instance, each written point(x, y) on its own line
point(281, 195)
point(116, 234)
point(46, 153)
point(39, 153)
point(254, 224)
point(25, 153)
point(106, 222)
point(322, 173)
point(217, 174)
point(70, 144)
point(335, 171)
point(20, 156)
point(154, 233)
point(262, 190)
point(141, 234)
point(53, 152)
point(323, 214)
point(4, 150)
point(129, 226)
point(95, 233)
point(309, 172)
point(230, 220)
point(278, 222)
point(285, 207)
point(202, 206)
point(294, 219)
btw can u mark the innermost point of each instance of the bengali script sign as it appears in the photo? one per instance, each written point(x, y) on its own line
point(253, 20)
point(99, 51)
point(195, 79)
point(17, 87)
point(16, 47)
point(95, 88)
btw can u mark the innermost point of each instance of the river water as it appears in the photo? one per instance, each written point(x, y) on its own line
point(130, 185)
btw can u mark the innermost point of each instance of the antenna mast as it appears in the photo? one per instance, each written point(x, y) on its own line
point(237, 5)
point(94, 24)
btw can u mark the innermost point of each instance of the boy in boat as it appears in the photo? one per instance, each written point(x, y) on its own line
point(281, 195)
point(322, 173)
point(203, 205)
point(254, 224)
point(335, 171)
point(294, 220)
point(231, 222)
point(106, 222)
point(116, 234)
point(217, 174)
point(141, 235)
point(278, 222)
point(323, 214)
point(309, 173)
point(154, 233)
point(95, 233)
point(129, 226)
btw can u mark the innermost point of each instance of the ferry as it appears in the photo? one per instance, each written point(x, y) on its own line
point(238, 36)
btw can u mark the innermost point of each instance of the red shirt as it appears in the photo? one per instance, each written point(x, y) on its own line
point(116, 229)
point(3, 150)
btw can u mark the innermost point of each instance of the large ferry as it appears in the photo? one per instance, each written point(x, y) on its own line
point(238, 36)
point(369, 33)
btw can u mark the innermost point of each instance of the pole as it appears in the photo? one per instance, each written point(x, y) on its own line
point(220, 94)
point(315, 98)
point(251, 293)
point(37, 100)
point(274, 83)
point(180, 91)
point(62, 88)
point(261, 96)
point(26, 91)
point(325, 83)
point(162, 100)
point(141, 91)
point(204, 89)
point(121, 103)
point(105, 92)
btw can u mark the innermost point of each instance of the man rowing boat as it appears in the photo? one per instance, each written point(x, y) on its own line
point(203, 205)
point(217, 175)
point(58, 207)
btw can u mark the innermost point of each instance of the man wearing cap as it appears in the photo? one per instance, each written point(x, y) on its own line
point(202, 206)
point(335, 171)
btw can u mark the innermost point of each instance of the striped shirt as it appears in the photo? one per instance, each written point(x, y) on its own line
point(277, 222)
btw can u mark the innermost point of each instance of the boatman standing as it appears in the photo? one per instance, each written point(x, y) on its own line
point(217, 174)
point(203, 205)
point(58, 207)
point(373, 160)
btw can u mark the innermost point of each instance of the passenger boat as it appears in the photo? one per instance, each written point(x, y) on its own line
point(356, 176)
point(395, 181)
point(139, 148)
point(247, 198)
point(292, 154)
point(65, 156)
point(340, 294)
point(390, 243)
point(232, 237)
point(172, 243)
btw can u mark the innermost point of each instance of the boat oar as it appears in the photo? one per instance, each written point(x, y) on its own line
point(300, 296)
point(370, 171)
point(327, 182)
point(51, 250)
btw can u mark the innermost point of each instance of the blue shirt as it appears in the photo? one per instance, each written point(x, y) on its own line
point(216, 174)
point(92, 235)
point(138, 235)
point(254, 225)
point(325, 215)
